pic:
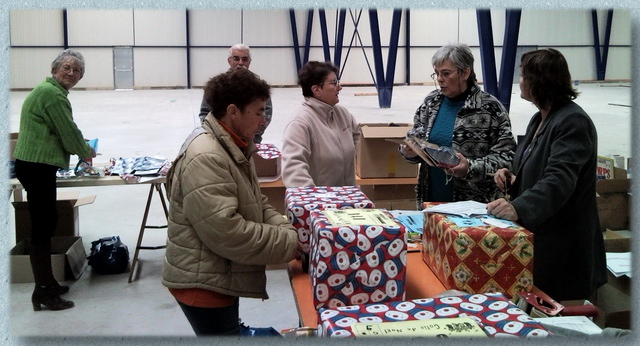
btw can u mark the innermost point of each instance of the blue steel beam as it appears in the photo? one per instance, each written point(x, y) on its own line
point(501, 90)
point(509, 50)
point(294, 35)
point(601, 55)
point(325, 34)
point(487, 51)
point(384, 84)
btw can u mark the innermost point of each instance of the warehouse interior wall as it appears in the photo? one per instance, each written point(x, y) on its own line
point(179, 48)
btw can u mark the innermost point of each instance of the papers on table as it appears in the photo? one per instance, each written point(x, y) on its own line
point(413, 220)
point(619, 263)
point(464, 208)
point(570, 325)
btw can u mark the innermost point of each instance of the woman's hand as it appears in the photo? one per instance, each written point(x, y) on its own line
point(503, 209)
point(92, 155)
point(407, 151)
point(459, 171)
point(504, 179)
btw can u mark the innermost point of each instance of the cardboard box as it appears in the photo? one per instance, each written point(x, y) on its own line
point(376, 157)
point(604, 169)
point(267, 160)
point(13, 139)
point(358, 256)
point(478, 259)
point(495, 314)
point(68, 215)
point(68, 260)
point(612, 196)
point(614, 298)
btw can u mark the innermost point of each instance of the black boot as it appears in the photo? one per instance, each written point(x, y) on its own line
point(47, 291)
point(49, 297)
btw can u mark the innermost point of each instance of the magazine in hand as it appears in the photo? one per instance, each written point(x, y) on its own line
point(433, 154)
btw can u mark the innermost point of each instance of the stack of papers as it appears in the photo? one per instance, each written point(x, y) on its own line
point(619, 263)
point(463, 209)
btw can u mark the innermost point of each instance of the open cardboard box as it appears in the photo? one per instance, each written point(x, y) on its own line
point(376, 157)
point(613, 200)
point(68, 260)
point(68, 215)
point(614, 298)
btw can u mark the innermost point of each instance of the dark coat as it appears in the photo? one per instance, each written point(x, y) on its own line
point(555, 197)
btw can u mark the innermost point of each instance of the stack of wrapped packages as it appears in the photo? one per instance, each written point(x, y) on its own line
point(300, 201)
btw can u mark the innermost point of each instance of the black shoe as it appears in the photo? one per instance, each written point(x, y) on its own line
point(61, 289)
point(49, 297)
point(258, 332)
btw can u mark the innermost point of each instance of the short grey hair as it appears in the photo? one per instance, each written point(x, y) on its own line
point(241, 47)
point(68, 53)
point(459, 54)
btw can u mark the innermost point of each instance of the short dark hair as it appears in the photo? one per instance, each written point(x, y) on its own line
point(314, 73)
point(546, 76)
point(238, 87)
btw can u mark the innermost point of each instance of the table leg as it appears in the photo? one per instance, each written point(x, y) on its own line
point(143, 226)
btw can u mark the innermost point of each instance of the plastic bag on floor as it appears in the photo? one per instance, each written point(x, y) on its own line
point(109, 255)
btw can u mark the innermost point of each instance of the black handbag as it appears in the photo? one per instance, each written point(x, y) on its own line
point(109, 255)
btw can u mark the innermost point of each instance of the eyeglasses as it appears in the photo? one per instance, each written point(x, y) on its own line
point(444, 73)
point(335, 82)
point(244, 58)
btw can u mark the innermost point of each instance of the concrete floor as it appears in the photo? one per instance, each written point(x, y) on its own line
point(155, 122)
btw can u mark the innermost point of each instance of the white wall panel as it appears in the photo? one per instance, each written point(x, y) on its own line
point(208, 62)
point(433, 27)
point(276, 66)
point(159, 67)
point(98, 69)
point(30, 66)
point(268, 32)
point(36, 27)
point(215, 27)
point(160, 27)
point(267, 28)
point(100, 27)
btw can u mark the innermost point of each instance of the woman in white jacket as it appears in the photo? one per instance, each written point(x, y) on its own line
point(319, 144)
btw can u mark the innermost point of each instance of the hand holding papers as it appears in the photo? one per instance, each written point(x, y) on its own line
point(433, 154)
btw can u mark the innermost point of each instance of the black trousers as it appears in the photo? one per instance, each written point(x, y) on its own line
point(39, 180)
point(213, 321)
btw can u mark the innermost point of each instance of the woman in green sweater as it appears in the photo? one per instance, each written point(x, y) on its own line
point(48, 137)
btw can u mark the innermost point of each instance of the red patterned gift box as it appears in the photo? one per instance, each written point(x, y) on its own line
point(478, 259)
point(358, 256)
point(300, 201)
point(267, 160)
point(496, 315)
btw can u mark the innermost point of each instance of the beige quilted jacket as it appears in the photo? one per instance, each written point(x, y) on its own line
point(222, 231)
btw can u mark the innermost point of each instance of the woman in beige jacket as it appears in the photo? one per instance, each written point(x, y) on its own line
point(222, 230)
point(319, 145)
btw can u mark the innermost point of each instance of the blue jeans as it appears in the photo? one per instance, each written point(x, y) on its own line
point(213, 321)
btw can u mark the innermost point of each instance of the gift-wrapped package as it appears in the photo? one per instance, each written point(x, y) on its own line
point(470, 255)
point(358, 256)
point(300, 201)
point(496, 315)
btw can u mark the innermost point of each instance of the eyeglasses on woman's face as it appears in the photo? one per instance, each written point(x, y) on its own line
point(335, 82)
point(446, 74)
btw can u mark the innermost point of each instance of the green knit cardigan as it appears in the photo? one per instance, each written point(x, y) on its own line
point(48, 133)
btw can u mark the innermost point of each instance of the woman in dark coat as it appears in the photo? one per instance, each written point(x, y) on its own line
point(554, 182)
